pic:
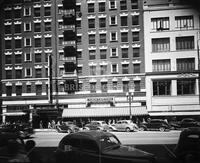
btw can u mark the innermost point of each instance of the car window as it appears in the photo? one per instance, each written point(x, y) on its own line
point(108, 141)
point(89, 145)
point(74, 142)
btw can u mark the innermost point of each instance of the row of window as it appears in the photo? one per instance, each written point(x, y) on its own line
point(104, 87)
point(38, 27)
point(163, 44)
point(181, 22)
point(182, 64)
point(9, 44)
point(184, 87)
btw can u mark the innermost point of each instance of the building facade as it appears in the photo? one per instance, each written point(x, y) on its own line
point(171, 32)
point(78, 58)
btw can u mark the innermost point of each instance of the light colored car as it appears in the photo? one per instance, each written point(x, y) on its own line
point(125, 125)
point(98, 125)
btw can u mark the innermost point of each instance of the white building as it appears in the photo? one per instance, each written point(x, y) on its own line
point(171, 58)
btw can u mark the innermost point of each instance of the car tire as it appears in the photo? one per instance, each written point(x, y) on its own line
point(162, 129)
point(142, 129)
point(128, 129)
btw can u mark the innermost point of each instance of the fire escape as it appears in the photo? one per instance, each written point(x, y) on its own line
point(70, 46)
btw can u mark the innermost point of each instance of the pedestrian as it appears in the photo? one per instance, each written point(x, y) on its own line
point(49, 125)
point(41, 125)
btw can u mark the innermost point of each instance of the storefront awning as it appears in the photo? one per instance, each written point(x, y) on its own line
point(104, 112)
point(14, 114)
point(174, 113)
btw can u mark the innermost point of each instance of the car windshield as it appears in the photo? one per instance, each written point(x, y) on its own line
point(108, 142)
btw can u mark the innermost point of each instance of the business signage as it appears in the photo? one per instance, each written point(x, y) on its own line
point(100, 100)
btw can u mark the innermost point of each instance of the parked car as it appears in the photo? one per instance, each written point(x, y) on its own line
point(186, 122)
point(67, 127)
point(11, 143)
point(24, 130)
point(188, 146)
point(98, 125)
point(155, 124)
point(125, 125)
point(98, 146)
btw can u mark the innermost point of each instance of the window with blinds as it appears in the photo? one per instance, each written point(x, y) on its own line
point(161, 65)
point(184, 22)
point(160, 44)
point(185, 64)
point(183, 43)
point(160, 24)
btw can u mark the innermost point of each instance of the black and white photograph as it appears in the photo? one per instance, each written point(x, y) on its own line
point(100, 81)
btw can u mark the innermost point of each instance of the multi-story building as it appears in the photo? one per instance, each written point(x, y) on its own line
point(171, 33)
point(82, 57)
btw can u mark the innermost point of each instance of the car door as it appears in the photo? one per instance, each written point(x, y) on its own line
point(118, 125)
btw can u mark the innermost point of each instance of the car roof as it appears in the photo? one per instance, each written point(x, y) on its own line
point(95, 135)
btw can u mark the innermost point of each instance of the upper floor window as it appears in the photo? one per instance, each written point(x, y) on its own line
point(136, 52)
point(47, 42)
point(18, 90)
point(134, 4)
point(92, 70)
point(124, 52)
point(8, 59)
point(92, 39)
point(161, 87)
point(37, 12)
point(8, 74)
point(113, 36)
point(8, 14)
point(27, 11)
point(114, 68)
point(38, 73)
point(90, 7)
point(123, 5)
point(184, 22)
point(38, 57)
point(103, 69)
point(135, 36)
point(8, 29)
point(91, 23)
point(135, 20)
point(17, 28)
point(183, 43)
point(124, 21)
point(37, 27)
point(18, 74)
point(113, 52)
point(185, 64)
point(112, 4)
point(38, 42)
point(185, 86)
point(38, 89)
point(27, 41)
point(102, 6)
point(47, 11)
point(102, 22)
point(27, 26)
point(161, 65)
point(18, 43)
point(102, 38)
point(113, 20)
point(124, 37)
point(136, 68)
point(47, 26)
point(160, 24)
point(17, 13)
point(103, 53)
point(8, 44)
point(160, 44)
point(27, 57)
point(92, 54)
point(8, 90)
point(28, 72)
point(137, 85)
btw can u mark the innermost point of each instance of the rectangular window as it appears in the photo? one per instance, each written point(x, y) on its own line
point(91, 39)
point(114, 52)
point(102, 22)
point(160, 24)
point(103, 54)
point(123, 5)
point(18, 90)
point(102, 7)
point(80, 70)
point(92, 55)
point(92, 70)
point(27, 11)
point(124, 53)
point(91, 23)
point(102, 38)
point(47, 26)
point(37, 12)
point(114, 68)
point(8, 74)
point(185, 64)
point(112, 5)
point(38, 73)
point(125, 86)
point(27, 57)
point(135, 20)
point(78, 39)
point(184, 22)
point(28, 88)
point(8, 44)
point(38, 42)
point(18, 74)
point(8, 14)
point(125, 69)
point(114, 85)
point(113, 20)
point(160, 44)
point(47, 11)
point(135, 36)
point(136, 52)
point(104, 87)
point(137, 85)
point(48, 42)
point(136, 68)
point(8, 29)
point(113, 36)
point(27, 41)
point(134, 4)
point(124, 37)
point(18, 58)
point(17, 13)
point(8, 90)
point(38, 57)
point(37, 27)
point(8, 59)
point(28, 72)
point(185, 86)
point(161, 87)
point(78, 23)
point(17, 28)
point(124, 21)
point(183, 43)
point(18, 43)
point(90, 7)
point(38, 89)
point(161, 65)
point(93, 87)
point(103, 69)
point(27, 26)
point(79, 54)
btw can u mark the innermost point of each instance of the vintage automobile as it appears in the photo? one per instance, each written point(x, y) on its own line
point(125, 125)
point(184, 123)
point(24, 130)
point(98, 146)
point(188, 146)
point(98, 125)
point(155, 124)
point(67, 127)
point(11, 142)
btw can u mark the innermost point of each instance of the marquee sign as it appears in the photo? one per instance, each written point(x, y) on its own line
point(100, 100)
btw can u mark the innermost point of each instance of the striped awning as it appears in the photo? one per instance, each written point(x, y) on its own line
point(104, 112)
point(13, 113)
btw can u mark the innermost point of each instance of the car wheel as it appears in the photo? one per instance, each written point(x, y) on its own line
point(128, 129)
point(162, 129)
point(142, 129)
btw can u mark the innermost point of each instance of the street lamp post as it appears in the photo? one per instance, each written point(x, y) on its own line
point(129, 96)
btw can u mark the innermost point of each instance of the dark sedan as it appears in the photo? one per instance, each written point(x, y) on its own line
point(185, 123)
point(98, 146)
point(67, 127)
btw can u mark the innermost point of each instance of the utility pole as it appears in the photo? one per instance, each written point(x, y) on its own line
point(129, 96)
